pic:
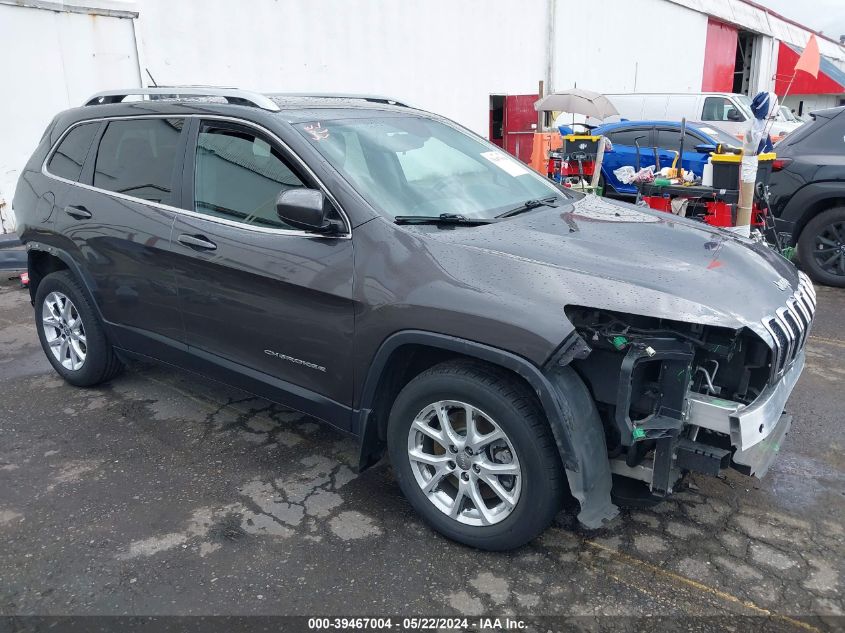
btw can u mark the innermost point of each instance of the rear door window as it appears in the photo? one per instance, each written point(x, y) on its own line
point(629, 137)
point(67, 160)
point(671, 139)
point(137, 158)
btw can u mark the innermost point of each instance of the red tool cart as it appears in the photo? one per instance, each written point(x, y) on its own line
point(575, 159)
point(716, 207)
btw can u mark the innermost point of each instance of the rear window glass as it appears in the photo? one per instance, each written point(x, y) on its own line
point(802, 131)
point(671, 139)
point(67, 160)
point(137, 158)
point(628, 137)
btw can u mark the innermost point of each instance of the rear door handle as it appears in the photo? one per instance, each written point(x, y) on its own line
point(197, 242)
point(80, 213)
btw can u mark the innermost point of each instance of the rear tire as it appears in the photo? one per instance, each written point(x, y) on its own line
point(71, 333)
point(821, 248)
point(517, 506)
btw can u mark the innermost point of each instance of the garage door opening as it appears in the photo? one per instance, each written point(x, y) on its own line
point(745, 43)
point(497, 119)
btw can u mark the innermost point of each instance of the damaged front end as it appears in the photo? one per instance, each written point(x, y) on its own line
point(676, 397)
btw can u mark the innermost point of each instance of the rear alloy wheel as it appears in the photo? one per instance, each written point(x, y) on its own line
point(821, 247)
point(64, 331)
point(71, 333)
point(474, 455)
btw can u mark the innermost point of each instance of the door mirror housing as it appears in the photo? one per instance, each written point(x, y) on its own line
point(705, 148)
point(306, 209)
point(735, 115)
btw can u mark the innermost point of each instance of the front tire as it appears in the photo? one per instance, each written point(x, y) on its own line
point(821, 248)
point(474, 455)
point(71, 333)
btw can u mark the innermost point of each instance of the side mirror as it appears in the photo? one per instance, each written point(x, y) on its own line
point(705, 148)
point(305, 209)
point(735, 115)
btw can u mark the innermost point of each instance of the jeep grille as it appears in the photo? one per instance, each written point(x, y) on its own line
point(790, 325)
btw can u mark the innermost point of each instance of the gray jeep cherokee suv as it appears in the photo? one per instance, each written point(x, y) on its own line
point(396, 276)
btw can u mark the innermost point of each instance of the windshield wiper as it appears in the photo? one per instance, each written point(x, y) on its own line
point(443, 218)
point(528, 205)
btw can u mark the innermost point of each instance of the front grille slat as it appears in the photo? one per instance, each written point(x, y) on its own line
point(790, 325)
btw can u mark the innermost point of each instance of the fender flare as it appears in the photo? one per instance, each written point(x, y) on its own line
point(575, 424)
point(85, 281)
point(798, 210)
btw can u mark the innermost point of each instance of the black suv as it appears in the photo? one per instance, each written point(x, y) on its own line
point(400, 278)
point(807, 194)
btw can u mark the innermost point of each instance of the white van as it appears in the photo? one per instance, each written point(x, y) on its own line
point(728, 111)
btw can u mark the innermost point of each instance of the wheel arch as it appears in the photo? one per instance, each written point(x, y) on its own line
point(811, 200)
point(405, 354)
point(563, 396)
point(43, 260)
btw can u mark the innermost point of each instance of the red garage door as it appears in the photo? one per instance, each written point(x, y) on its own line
point(519, 125)
point(719, 57)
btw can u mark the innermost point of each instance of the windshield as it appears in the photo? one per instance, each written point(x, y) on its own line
point(415, 166)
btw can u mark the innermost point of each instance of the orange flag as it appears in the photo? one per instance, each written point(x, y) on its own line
point(810, 58)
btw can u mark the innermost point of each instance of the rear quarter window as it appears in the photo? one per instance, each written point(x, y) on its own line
point(66, 162)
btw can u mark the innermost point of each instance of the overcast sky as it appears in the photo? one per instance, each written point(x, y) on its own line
point(827, 16)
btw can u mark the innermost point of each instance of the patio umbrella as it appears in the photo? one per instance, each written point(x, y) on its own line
point(577, 101)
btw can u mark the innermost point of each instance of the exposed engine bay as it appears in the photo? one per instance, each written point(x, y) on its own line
point(642, 371)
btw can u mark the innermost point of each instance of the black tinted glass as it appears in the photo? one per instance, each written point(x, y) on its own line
point(627, 137)
point(137, 157)
point(239, 175)
point(67, 160)
point(671, 139)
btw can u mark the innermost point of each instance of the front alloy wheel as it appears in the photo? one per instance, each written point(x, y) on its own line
point(464, 463)
point(64, 331)
point(474, 454)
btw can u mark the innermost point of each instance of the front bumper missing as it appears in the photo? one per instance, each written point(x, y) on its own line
point(756, 432)
point(747, 425)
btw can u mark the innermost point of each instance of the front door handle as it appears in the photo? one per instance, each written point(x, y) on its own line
point(197, 242)
point(80, 213)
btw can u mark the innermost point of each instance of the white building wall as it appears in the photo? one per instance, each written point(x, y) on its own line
point(50, 61)
point(647, 46)
point(811, 102)
point(443, 55)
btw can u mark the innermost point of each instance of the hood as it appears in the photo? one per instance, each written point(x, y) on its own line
point(612, 255)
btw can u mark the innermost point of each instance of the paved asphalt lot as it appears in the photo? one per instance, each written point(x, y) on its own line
point(161, 493)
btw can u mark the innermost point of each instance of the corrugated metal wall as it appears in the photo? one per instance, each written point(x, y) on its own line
point(643, 46)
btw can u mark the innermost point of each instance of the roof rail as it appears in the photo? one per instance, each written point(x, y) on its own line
point(342, 95)
point(231, 95)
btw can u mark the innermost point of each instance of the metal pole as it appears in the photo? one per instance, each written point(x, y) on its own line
point(540, 113)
